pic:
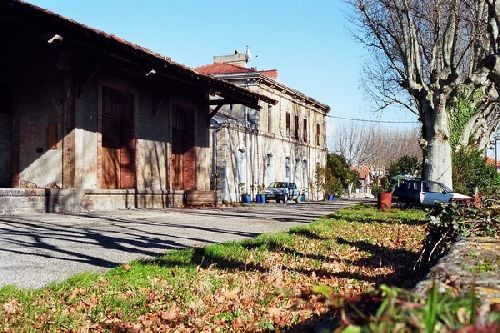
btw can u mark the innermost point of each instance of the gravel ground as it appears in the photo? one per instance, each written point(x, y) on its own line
point(37, 249)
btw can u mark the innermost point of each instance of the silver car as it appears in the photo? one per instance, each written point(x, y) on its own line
point(282, 191)
point(426, 193)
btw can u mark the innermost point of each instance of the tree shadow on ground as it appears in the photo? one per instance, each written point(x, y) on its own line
point(401, 261)
point(202, 258)
point(403, 277)
point(102, 245)
point(306, 233)
point(369, 219)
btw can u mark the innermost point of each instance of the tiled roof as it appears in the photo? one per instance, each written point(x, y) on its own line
point(362, 170)
point(225, 68)
point(270, 76)
point(491, 161)
point(34, 13)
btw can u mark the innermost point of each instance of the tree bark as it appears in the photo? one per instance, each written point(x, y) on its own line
point(437, 151)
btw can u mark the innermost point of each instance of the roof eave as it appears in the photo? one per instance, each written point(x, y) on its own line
point(138, 54)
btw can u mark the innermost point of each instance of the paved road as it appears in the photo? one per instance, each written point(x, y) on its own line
point(37, 249)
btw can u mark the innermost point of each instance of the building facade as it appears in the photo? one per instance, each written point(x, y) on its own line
point(285, 141)
point(89, 121)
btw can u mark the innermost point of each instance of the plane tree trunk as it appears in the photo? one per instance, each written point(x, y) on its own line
point(436, 144)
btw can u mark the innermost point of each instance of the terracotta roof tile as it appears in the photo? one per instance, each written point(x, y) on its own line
point(362, 170)
point(225, 68)
point(491, 161)
point(271, 75)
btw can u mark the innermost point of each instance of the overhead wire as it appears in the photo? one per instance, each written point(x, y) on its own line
point(374, 121)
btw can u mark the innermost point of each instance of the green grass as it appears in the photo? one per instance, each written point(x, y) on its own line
point(484, 266)
point(397, 310)
point(257, 283)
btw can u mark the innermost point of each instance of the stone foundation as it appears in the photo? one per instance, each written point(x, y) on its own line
point(22, 200)
point(39, 200)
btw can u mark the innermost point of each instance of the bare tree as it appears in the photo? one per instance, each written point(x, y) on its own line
point(427, 51)
point(351, 142)
point(375, 146)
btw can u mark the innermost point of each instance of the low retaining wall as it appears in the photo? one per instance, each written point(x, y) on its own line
point(24, 200)
point(99, 200)
point(471, 262)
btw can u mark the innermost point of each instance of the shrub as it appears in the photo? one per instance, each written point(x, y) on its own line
point(336, 176)
point(471, 171)
point(448, 222)
point(406, 165)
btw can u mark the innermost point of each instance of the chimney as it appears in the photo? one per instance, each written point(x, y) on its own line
point(238, 59)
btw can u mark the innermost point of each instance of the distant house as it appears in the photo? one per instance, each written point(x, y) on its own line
point(280, 142)
point(492, 161)
point(89, 121)
point(366, 178)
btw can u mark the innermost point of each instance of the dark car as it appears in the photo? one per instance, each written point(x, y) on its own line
point(423, 192)
point(282, 191)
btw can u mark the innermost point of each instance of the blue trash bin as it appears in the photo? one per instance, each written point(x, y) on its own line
point(245, 198)
point(260, 198)
point(331, 197)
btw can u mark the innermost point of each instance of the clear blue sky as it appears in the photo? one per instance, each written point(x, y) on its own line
point(307, 41)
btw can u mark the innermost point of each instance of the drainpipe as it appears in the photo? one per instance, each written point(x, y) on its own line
point(216, 128)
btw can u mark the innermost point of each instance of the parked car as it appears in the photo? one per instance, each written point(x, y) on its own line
point(282, 191)
point(427, 193)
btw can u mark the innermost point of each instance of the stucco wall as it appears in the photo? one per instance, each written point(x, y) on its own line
point(35, 105)
point(152, 132)
point(255, 156)
point(86, 137)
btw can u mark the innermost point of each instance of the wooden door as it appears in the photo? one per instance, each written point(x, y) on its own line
point(5, 136)
point(111, 152)
point(176, 161)
point(183, 161)
point(127, 143)
point(189, 159)
point(118, 142)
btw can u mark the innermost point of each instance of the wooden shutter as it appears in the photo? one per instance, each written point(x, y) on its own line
point(127, 142)
point(305, 130)
point(317, 134)
point(287, 120)
point(118, 140)
point(296, 126)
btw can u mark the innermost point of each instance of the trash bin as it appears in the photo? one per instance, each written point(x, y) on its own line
point(260, 198)
point(331, 197)
point(384, 200)
point(245, 198)
point(302, 198)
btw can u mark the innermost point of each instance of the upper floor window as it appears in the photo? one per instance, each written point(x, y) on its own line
point(318, 134)
point(296, 129)
point(304, 131)
point(287, 124)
